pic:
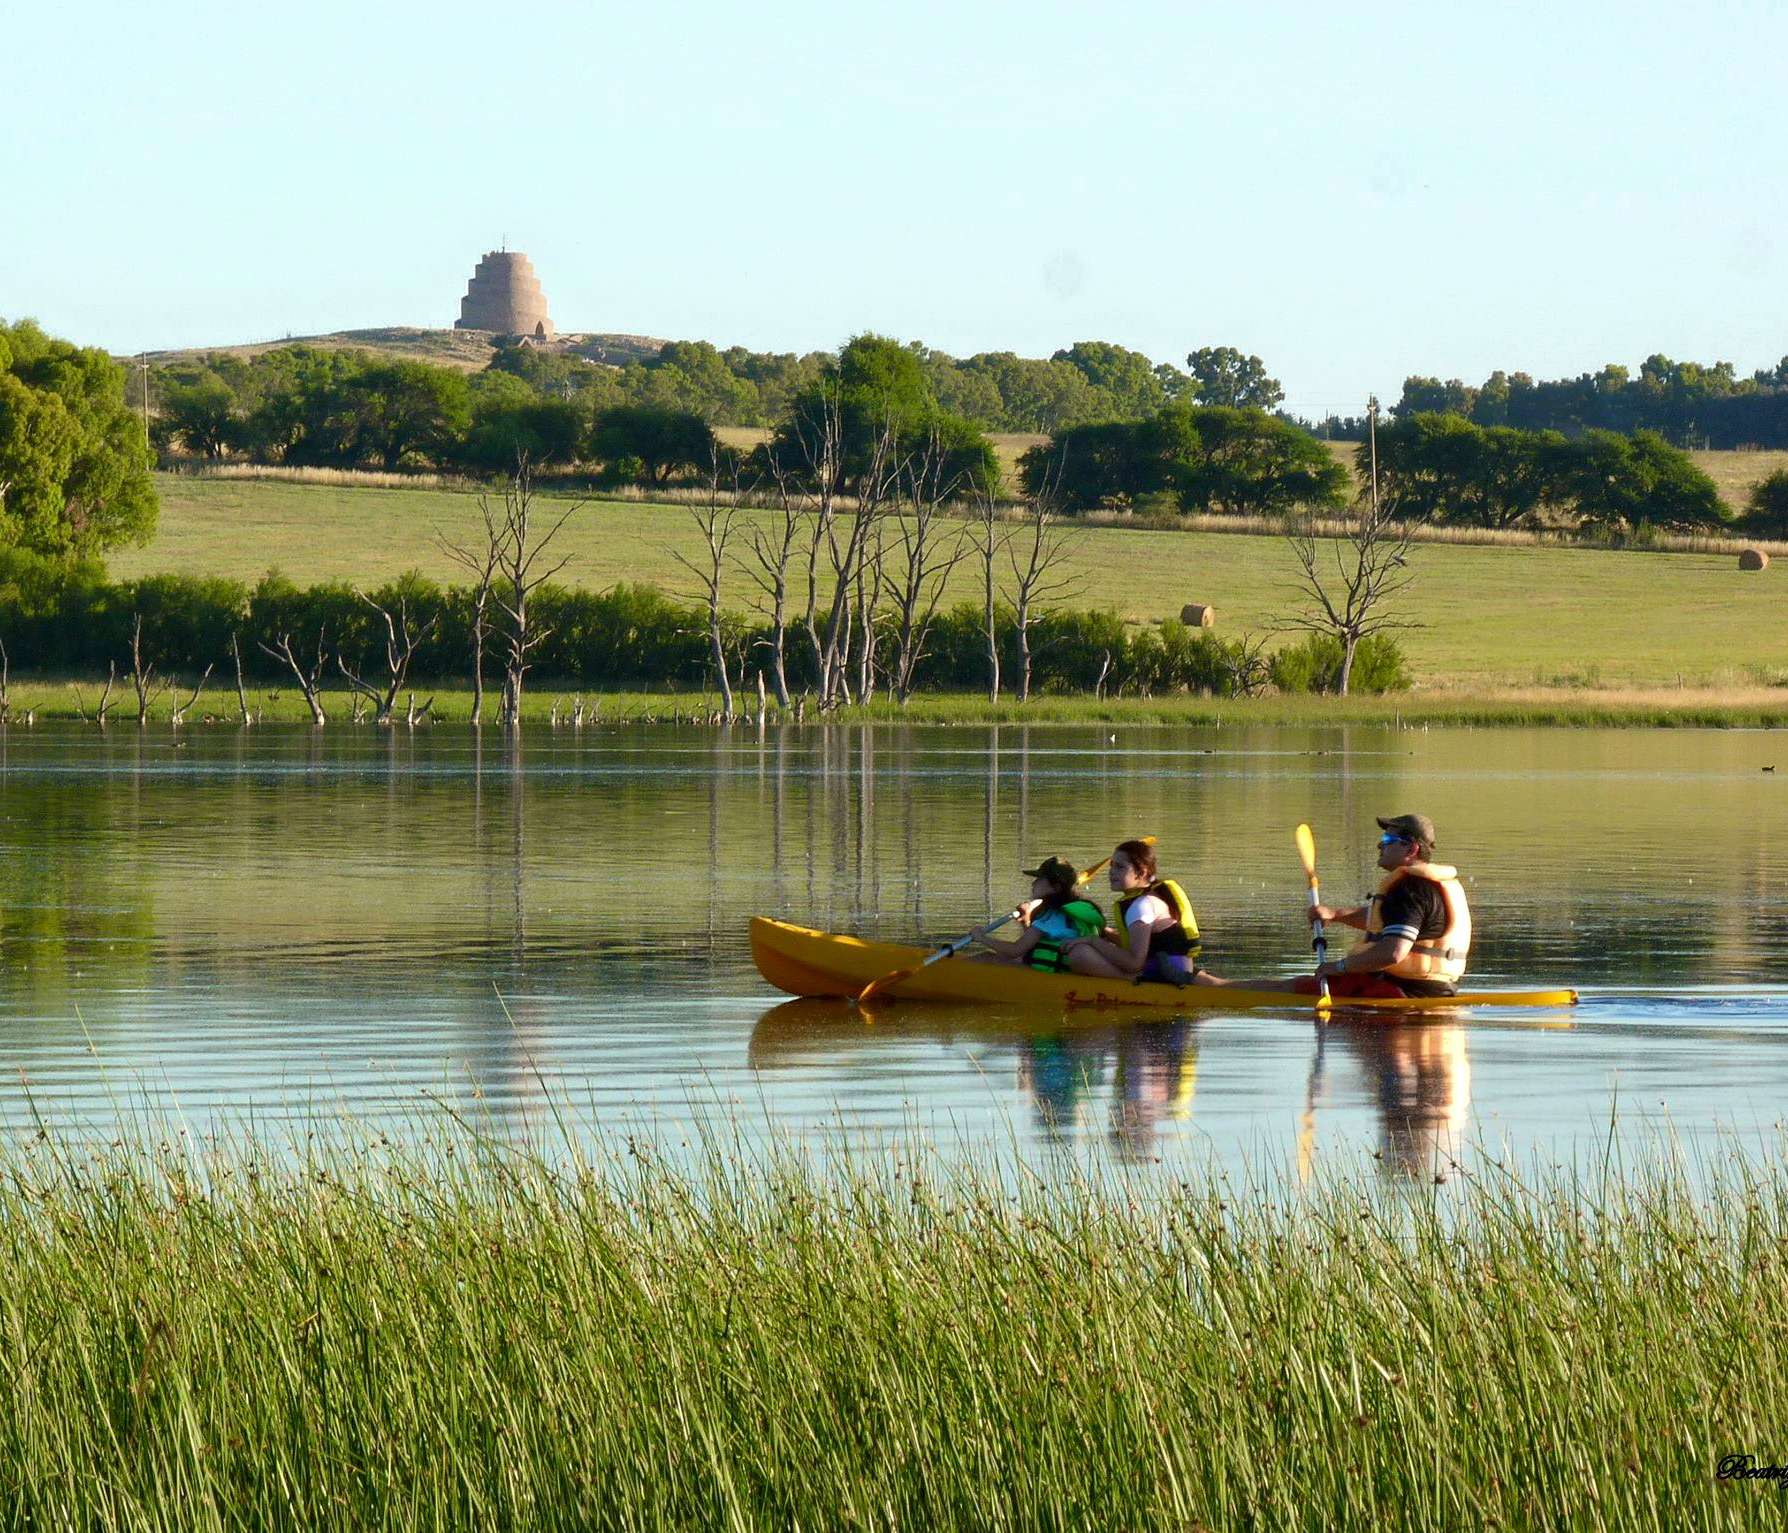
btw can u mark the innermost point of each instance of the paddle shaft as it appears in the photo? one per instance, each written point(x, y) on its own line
point(1306, 843)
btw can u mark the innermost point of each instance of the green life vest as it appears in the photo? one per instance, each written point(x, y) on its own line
point(1087, 920)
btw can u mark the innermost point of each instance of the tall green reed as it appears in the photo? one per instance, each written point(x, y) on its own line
point(450, 1331)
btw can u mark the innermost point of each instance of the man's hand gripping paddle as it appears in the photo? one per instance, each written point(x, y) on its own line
point(876, 987)
point(1306, 841)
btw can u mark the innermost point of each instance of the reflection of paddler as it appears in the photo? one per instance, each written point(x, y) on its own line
point(1157, 1072)
point(1058, 1070)
point(1423, 1080)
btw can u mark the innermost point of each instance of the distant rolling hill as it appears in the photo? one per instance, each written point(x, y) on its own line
point(467, 349)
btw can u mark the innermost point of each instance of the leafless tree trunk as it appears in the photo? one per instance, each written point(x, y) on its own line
point(988, 539)
point(177, 716)
point(772, 552)
point(714, 518)
point(310, 678)
point(401, 643)
point(840, 540)
point(105, 697)
point(1037, 554)
point(1371, 567)
point(515, 555)
point(926, 553)
point(241, 691)
point(481, 563)
point(142, 677)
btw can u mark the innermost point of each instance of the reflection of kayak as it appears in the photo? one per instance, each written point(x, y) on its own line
point(805, 962)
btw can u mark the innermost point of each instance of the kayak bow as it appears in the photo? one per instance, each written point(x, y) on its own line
point(801, 961)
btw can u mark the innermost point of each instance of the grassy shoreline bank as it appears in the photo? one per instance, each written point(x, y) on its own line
point(1734, 707)
point(465, 1334)
point(1490, 618)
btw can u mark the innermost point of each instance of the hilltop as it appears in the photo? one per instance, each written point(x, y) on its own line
point(469, 350)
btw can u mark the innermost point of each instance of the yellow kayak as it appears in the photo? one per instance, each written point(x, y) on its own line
point(805, 962)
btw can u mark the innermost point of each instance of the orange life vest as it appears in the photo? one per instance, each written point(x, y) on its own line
point(1441, 958)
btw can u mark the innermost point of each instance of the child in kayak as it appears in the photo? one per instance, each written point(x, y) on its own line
point(1156, 931)
point(1056, 915)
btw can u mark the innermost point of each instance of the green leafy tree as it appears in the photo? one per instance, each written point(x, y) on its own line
point(1766, 509)
point(505, 434)
point(1041, 396)
point(555, 374)
point(662, 441)
point(74, 458)
point(203, 415)
point(1103, 464)
point(1624, 481)
point(402, 410)
point(1241, 462)
point(700, 381)
point(1221, 375)
point(1129, 380)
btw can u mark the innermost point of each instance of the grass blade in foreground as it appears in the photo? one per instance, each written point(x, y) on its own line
point(475, 1338)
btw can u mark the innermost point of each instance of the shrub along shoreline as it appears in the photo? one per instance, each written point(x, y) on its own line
point(66, 616)
point(552, 701)
point(463, 1333)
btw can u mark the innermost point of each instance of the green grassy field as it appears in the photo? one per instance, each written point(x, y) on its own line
point(1492, 617)
point(464, 1335)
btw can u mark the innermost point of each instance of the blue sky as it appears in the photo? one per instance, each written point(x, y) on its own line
point(1355, 195)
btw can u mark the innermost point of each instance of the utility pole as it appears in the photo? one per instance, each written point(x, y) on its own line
point(1372, 431)
point(143, 367)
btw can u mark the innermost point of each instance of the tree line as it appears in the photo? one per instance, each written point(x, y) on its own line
point(357, 409)
point(1687, 403)
point(1433, 468)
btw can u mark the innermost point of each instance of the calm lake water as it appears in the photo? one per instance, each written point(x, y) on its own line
point(280, 929)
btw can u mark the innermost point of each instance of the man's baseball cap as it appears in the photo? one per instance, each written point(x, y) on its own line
point(1412, 827)
point(1063, 874)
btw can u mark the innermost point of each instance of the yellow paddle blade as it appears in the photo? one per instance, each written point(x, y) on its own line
point(887, 982)
point(1087, 873)
point(1306, 840)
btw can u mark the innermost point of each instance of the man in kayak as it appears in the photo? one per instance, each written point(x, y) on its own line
point(1417, 926)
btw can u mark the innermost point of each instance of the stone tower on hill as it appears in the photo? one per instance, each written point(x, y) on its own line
point(504, 295)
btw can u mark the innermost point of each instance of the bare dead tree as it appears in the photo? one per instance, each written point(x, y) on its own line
point(5, 676)
point(309, 675)
point(517, 552)
point(714, 517)
point(1370, 569)
point(142, 676)
point(480, 561)
point(1037, 556)
point(840, 536)
point(402, 640)
point(927, 549)
point(773, 548)
point(177, 714)
point(865, 632)
point(241, 691)
point(105, 697)
point(987, 536)
point(422, 715)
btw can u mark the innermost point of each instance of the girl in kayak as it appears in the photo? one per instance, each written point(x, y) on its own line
point(1156, 930)
point(1056, 915)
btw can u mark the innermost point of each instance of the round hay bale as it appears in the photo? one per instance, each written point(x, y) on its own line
point(1753, 559)
point(1195, 616)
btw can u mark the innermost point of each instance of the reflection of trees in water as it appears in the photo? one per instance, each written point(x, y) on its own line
point(76, 902)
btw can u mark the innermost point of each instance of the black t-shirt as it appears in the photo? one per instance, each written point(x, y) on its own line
point(1416, 909)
